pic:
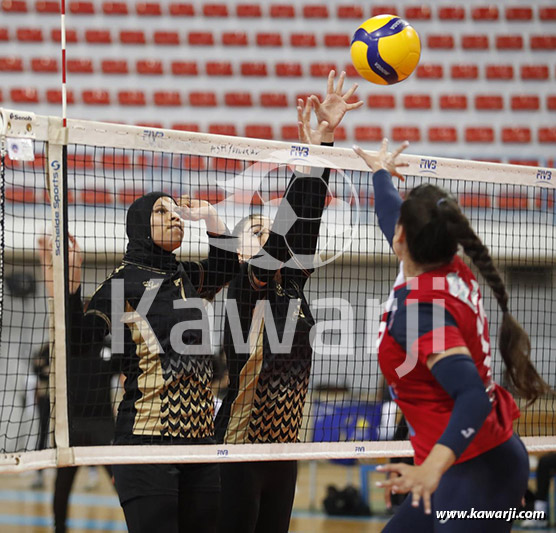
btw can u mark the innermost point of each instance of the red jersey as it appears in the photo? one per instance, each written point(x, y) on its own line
point(436, 311)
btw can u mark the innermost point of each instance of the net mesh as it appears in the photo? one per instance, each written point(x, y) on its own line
point(342, 404)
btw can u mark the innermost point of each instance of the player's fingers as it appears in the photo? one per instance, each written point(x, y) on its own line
point(307, 111)
point(301, 131)
point(350, 92)
point(388, 498)
point(384, 146)
point(355, 105)
point(390, 467)
point(299, 113)
point(315, 101)
point(427, 502)
point(359, 151)
point(330, 82)
point(415, 497)
point(400, 149)
point(340, 85)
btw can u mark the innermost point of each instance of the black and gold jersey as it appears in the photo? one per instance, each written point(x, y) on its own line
point(166, 357)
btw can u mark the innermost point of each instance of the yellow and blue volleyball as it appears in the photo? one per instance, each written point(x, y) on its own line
point(385, 49)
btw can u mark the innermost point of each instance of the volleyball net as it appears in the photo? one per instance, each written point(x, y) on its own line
point(81, 180)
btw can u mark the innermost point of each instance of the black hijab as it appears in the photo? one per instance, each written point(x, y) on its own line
point(141, 249)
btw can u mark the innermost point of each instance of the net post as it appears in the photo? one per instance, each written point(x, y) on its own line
point(57, 157)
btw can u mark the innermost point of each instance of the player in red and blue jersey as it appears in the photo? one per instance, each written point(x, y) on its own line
point(434, 350)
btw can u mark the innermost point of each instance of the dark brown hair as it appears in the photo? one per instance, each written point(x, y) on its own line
point(434, 226)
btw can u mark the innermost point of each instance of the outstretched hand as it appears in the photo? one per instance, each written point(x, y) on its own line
point(307, 134)
point(384, 159)
point(336, 104)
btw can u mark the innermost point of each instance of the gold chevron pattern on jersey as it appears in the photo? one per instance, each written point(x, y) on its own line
point(277, 410)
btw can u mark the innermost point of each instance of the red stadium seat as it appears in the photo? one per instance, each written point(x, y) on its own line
point(20, 195)
point(451, 13)
point(149, 67)
point(489, 102)
point(430, 71)
point(249, 11)
point(116, 160)
point(4, 34)
point(193, 162)
point(509, 42)
point(440, 41)
point(321, 69)
point(368, 133)
point(519, 13)
point(29, 35)
point(547, 13)
point(443, 134)
point(79, 66)
point(475, 200)
point(418, 12)
point(512, 201)
point(211, 195)
point(543, 42)
point(337, 40)
point(259, 131)
point(132, 98)
point(547, 135)
point(127, 196)
point(289, 132)
point(181, 9)
point(11, 64)
point(524, 162)
point(275, 100)
point(153, 125)
point(24, 95)
point(520, 135)
point(340, 133)
point(215, 10)
point(234, 38)
point(453, 102)
point(349, 12)
point(485, 13)
point(148, 9)
point(14, 6)
point(474, 42)
point(166, 38)
point(238, 99)
point(289, 70)
point(406, 133)
point(132, 37)
point(464, 72)
point(383, 8)
point(49, 7)
point(200, 38)
point(551, 102)
point(96, 97)
point(381, 101)
point(417, 101)
point(269, 39)
point(185, 68)
point(219, 68)
point(80, 162)
point(315, 11)
point(98, 36)
point(114, 66)
point(167, 98)
point(96, 197)
point(534, 72)
point(351, 71)
point(44, 64)
point(479, 134)
point(227, 165)
point(114, 8)
point(499, 72)
point(254, 69)
point(202, 99)
point(303, 40)
point(544, 200)
point(282, 11)
point(185, 126)
point(525, 102)
point(82, 8)
point(54, 96)
point(71, 35)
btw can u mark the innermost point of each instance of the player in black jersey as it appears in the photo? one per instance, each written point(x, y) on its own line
point(168, 370)
point(268, 384)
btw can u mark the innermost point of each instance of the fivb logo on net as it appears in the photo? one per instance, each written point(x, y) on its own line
point(339, 222)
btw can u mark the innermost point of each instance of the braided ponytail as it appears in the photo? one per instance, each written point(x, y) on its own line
point(434, 226)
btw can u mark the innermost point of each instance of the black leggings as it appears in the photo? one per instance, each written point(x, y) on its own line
point(494, 481)
point(545, 470)
point(257, 497)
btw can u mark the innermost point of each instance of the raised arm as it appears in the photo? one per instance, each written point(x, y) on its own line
point(387, 198)
point(211, 274)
